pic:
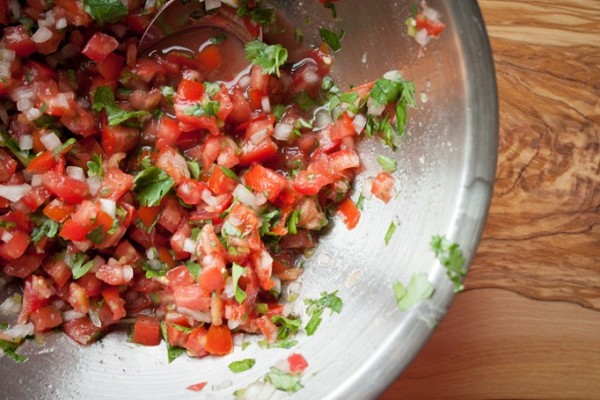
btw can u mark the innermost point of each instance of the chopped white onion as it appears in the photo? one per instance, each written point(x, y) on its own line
point(266, 104)
point(212, 4)
point(61, 23)
point(374, 108)
point(259, 391)
point(32, 114)
point(7, 55)
point(189, 245)
point(310, 76)
point(76, 173)
point(108, 206)
point(150, 254)
point(244, 81)
point(245, 196)
point(5, 69)
point(266, 257)
point(22, 92)
point(231, 3)
point(19, 331)
point(393, 75)
point(233, 323)
point(195, 315)
point(238, 339)
point(222, 385)
point(59, 303)
point(95, 318)
point(94, 184)
point(42, 35)
point(14, 192)
point(283, 365)
point(322, 119)
point(70, 315)
point(259, 136)
point(359, 123)
point(10, 306)
point(283, 131)
point(293, 290)
point(36, 180)
point(127, 273)
point(421, 37)
point(26, 142)
point(366, 189)
point(50, 141)
point(6, 236)
point(287, 309)
point(229, 290)
point(209, 198)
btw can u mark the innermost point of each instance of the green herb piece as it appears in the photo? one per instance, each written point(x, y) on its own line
point(419, 288)
point(218, 39)
point(230, 174)
point(387, 164)
point(304, 101)
point(245, 345)
point(11, 144)
point(259, 14)
point(104, 98)
point(60, 149)
point(194, 269)
point(194, 168)
point(261, 308)
point(10, 349)
point(283, 344)
point(242, 365)
point(287, 326)
point(332, 39)
point(169, 93)
point(46, 228)
point(394, 89)
point(95, 165)
point(268, 219)
point(4, 326)
point(105, 11)
point(209, 109)
point(298, 35)
point(79, 266)
point(152, 184)
point(96, 235)
point(268, 57)
point(7, 224)
point(278, 111)
point(172, 351)
point(360, 201)
point(284, 381)
point(451, 257)
point(316, 307)
point(236, 272)
point(390, 233)
point(331, 5)
point(292, 222)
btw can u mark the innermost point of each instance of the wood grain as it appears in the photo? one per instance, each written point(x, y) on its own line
point(528, 325)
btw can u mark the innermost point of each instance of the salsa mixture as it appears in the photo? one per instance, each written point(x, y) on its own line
point(171, 191)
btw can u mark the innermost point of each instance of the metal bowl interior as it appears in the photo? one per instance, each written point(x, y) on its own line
point(444, 180)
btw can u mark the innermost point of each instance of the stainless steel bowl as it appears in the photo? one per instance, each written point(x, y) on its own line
point(445, 179)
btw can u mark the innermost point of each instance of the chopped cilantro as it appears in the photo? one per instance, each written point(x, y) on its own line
point(77, 263)
point(46, 228)
point(287, 326)
point(172, 351)
point(168, 92)
point(230, 174)
point(210, 109)
point(284, 381)
point(387, 164)
point(152, 184)
point(331, 5)
point(304, 101)
point(194, 268)
point(419, 288)
point(451, 257)
point(268, 57)
point(11, 144)
point(332, 39)
point(236, 272)
point(104, 11)
point(267, 219)
point(104, 98)
point(360, 201)
point(259, 14)
point(316, 307)
point(218, 39)
point(261, 308)
point(194, 168)
point(242, 365)
point(60, 149)
point(96, 235)
point(390, 233)
point(245, 345)
point(95, 165)
point(10, 349)
point(292, 221)
point(278, 111)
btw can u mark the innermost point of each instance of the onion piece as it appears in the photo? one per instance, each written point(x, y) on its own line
point(94, 184)
point(71, 315)
point(26, 142)
point(76, 173)
point(245, 196)
point(6, 236)
point(266, 104)
point(36, 180)
point(14, 192)
point(322, 119)
point(108, 206)
point(189, 245)
point(259, 136)
point(42, 35)
point(11, 306)
point(32, 114)
point(359, 123)
point(259, 391)
point(50, 141)
point(19, 331)
point(366, 189)
point(222, 385)
point(7, 55)
point(283, 131)
point(195, 315)
point(212, 4)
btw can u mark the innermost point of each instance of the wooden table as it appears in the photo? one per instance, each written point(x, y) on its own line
point(528, 324)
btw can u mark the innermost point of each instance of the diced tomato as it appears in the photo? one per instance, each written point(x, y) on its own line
point(43, 162)
point(190, 191)
point(180, 276)
point(310, 183)
point(182, 59)
point(69, 189)
point(148, 215)
point(262, 126)
point(82, 330)
point(16, 246)
point(36, 295)
point(171, 215)
point(240, 111)
point(100, 46)
point(58, 210)
point(211, 279)
point(8, 166)
point(259, 83)
point(78, 298)
point(45, 318)
point(192, 297)
point(168, 133)
point(115, 184)
point(90, 284)
point(266, 181)
point(23, 266)
point(114, 273)
point(146, 330)
point(138, 21)
point(220, 183)
point(176, 336)
point(82, 122)
point(179, 238)
point(110, 67)
point(433, 27)
point(114, 302)
point(165, 256)
point(73, 230)
point(267, 328)
point(219, 340)
point(18, 39)
point(383, 186)
point(297, 363)
point(342, 128)
point(119, 138)
point(36, 197)
point(56, 103)
point(126, 253)
point(261, 152)
point(209, 58)
point(196, 387)
point(190, 90)
point(348, 212)
point(196, 342)
point(173, 163)
point(58, 270)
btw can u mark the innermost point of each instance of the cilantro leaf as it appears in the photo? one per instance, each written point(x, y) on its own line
point(95, 165)
point(284, 381)
point(304, 101)
point(194, 269)
point(242, 365)
point(194, 168)
point(230, 174)
point(77, 263)
point(105, 10)
point(236, 272)
point(332, 39)
point(210, 109)
point(268, 57)
point(152, 184)
point(451, 257)
point(104, 98)
point(292, 221)
point(390, 232)
point(259, 14)
point(267, 221)
point(168, 92)
point(360, 202)
point(419, 288)
point(172, 351)
point(11, 144)
point(331, 5)
point(46, 228)
point(10, 349)
point(387, 164)
point(286, 326)
point(316, 307)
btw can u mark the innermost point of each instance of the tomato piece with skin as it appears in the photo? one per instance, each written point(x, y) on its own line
point(261, 152)
point(15, 247)
point(82, 330)
point(18, 39)
point(78, 298)
point(119, 138)
point(190, 90)
point(211, 279)
point(115, 184)
point(171, 215)
point(90, 284)
point(36, 295)
point(100, 46)
point(297, 363)
point(23, 266)
point(176, 336)
point(266, 181)
point(262, 126)
point(82, 122)
point(36, 197)
point(383, 187)
point(192, 297)
point(46, 318)
point(111, 66)
point(58, 270)
point(146, 330)
point(179, 276)
point(349, 214)
point(190, 191)
point(43, 162)
point(219, 340)
point(114, 302)
point(220, 183)
point(267, 328)
point(178, 239)
point(73, 230)
point(56, 103)
point(168, 133)
point(8, 166)
point(68, 189)
point(209, 58)
point(58, 210)
point(310, 183)
point(433, 27)
point(196, 342)
point(196, 387)
point(173, 163)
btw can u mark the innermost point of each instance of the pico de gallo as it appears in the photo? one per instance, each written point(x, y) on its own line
point(134, 189)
